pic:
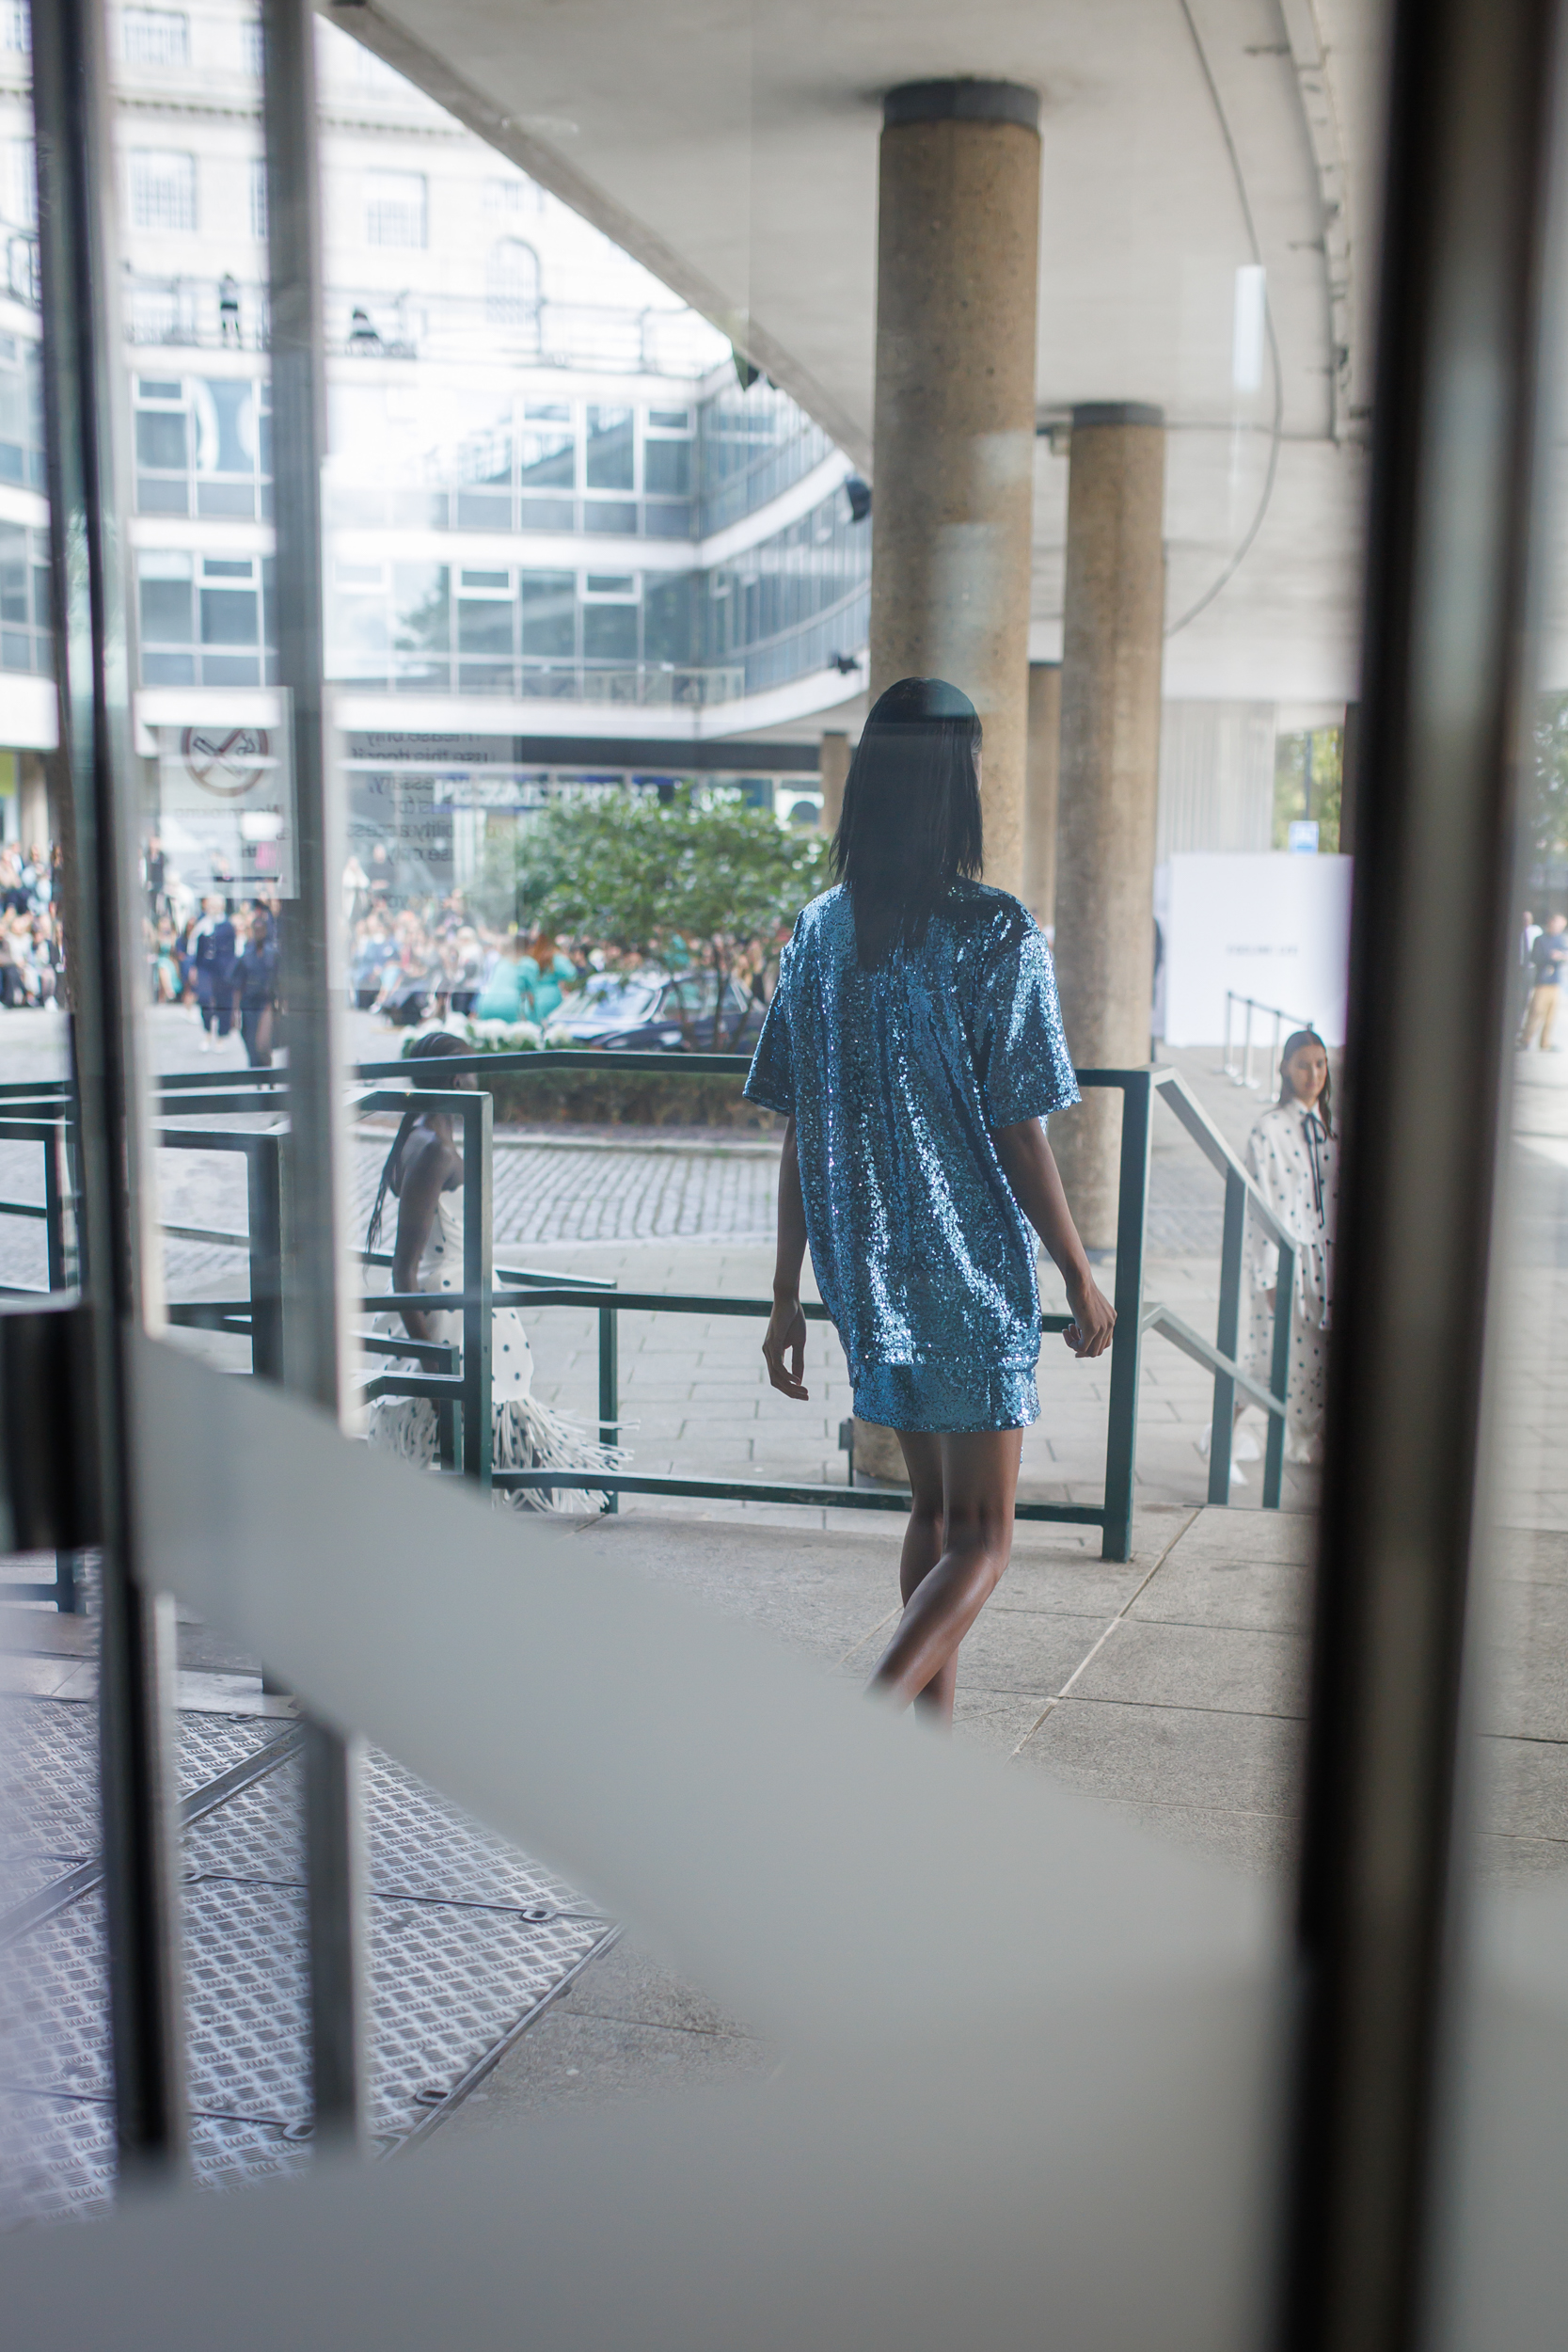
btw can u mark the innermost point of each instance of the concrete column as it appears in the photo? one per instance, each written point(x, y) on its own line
point(958, 261)
point(834, 773)
point(1110, 658)
point(958, 264)
point(33, 808)
point(1041, 791)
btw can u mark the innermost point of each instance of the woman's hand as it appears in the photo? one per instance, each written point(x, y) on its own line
point(784, 1347)
point(1094, 1318)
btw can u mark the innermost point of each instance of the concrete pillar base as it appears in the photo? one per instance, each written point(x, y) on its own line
point(878, 1454)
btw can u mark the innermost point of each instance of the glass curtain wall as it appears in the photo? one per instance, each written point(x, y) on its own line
point(350, 878)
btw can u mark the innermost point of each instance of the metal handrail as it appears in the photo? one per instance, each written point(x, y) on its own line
point(1242, 1198)
point(458, 1380)
point(1241, 1075)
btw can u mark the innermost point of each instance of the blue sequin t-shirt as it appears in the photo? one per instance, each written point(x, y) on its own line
point(895, 1079)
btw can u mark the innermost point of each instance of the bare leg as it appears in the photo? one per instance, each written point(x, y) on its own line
point(923, 1547)
point(979, 1481)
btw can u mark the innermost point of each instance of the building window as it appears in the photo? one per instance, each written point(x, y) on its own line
point(159, 38)
point(16, 27)
point(25, 640)
point(512, 284)
point(22, 185)
point(395, 208)
point(20, 412)
point(611, 453)
point(259, 198)
point(373, 73)
point(252, 48)
point(512, 199)
point(163, 191)
point(550, 602)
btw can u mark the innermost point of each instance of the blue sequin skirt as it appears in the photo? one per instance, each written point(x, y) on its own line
point(932, 1397)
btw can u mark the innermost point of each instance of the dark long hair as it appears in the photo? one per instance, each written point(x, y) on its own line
point(434, 1046)
point(910, 824)
point(1324, 1104)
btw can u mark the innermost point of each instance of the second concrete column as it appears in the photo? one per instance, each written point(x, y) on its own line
point(1113, 624)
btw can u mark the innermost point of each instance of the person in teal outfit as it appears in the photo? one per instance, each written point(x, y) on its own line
point(505, 995)
point(546, 976)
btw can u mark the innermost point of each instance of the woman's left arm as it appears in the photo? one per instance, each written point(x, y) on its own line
point(1030, 1167)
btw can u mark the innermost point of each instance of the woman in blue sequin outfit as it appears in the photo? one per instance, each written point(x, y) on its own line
point(915, 1044)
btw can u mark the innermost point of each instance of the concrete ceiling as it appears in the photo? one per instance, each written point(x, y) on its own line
point(733, 148)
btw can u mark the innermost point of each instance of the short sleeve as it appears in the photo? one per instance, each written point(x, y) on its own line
point(771, 1078)
point(1022, 1062)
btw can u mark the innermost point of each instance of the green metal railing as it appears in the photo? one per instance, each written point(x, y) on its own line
point(457, 1380)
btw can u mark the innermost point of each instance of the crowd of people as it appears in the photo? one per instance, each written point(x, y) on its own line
point(425, 960)
point(32, 946)
point(437, 960)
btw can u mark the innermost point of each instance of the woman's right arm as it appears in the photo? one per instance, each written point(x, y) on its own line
point(425, 1169)
point(784, 1344)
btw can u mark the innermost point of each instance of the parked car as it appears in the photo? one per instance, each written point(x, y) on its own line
point(657, 1012)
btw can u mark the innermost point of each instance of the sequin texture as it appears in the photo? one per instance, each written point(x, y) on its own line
point(895, 1079)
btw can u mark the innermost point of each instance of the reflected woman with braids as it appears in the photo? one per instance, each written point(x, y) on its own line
point(424, 1174)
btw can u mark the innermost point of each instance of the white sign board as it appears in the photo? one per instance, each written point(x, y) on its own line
point(1273, 928)
point(226, 813)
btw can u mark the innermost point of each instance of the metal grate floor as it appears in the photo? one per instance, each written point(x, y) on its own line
point(466, 1937)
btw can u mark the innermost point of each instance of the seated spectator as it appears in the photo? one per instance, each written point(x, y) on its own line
point(506, 994)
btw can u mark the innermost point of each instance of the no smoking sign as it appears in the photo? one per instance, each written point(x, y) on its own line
point(227, 762)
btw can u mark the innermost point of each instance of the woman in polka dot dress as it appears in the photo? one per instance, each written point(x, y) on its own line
point(1293, 1155)
point(423, 1171)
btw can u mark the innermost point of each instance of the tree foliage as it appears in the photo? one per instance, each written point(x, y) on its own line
point(1547, 786)
point(629, 871)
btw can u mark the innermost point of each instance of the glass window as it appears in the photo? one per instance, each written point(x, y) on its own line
point(512, 199)
point(161, 440)
point(548, 455)
point(160, 38)
point(360, 624)
point(610, 633)
point(163, 191)
point(230, 612)
point(252, 47)
point(483, 625)
point(668, 620)
point(16, 27)
point(550, 614)
point(225, 416)
point(166, 599)
point(611, 453)
point(395, 208)
point(667, 467)
point(670, 419)
point(421, 601)
point(13, 574)
point(512, 284)
point(21, 183)
point(259, 198)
